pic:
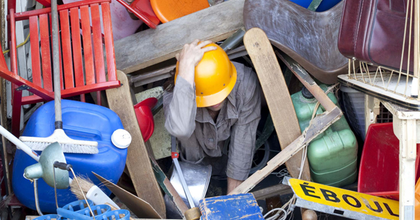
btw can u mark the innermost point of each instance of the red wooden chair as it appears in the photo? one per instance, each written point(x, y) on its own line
point(82, 68)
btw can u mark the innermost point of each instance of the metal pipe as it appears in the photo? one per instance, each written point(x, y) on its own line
point(36, 197)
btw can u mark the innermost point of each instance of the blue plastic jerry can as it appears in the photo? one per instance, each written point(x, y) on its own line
point(81, 121)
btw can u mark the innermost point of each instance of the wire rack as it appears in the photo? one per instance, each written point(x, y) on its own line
point(399, 86)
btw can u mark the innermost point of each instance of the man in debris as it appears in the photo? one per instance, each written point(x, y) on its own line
point(214, 99)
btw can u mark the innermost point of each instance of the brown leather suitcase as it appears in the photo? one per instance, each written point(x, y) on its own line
point(373, 31)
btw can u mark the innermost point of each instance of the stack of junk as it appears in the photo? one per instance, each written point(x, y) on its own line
point(344, 154)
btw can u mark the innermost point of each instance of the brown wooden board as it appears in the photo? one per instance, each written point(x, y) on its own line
point(153, 46)
point(137, 205)
point(277, 96)
point(138, 163)
point(319, 125)
point(3, 122)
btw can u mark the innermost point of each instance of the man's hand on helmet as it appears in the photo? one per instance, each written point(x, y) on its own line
point(190, 56)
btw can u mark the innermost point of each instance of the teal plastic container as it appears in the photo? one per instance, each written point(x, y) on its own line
point(333, 154)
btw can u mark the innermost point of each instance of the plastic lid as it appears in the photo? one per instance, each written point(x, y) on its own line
point(306, 93)
point(121, 138)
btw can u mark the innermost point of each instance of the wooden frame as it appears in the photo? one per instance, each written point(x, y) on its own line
point(79, 74)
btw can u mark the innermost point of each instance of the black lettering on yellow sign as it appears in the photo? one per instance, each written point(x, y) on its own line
point(390, 211)
point(307, 191)
point(357, 205)
point(330, 195)
point(378, 207)
point(349, 199)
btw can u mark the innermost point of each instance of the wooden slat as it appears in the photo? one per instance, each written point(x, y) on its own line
point(138, 162)
point(45, 51)
point(153, 46)
point(16, 111)
point(36, 61)
point(77, 47)
point(18, 81)
point(13, 51)
point(3, 120)
point(27, 14)
point(97, 43)
point(277, 96)
point(74, 91)
point(67, 56)
point(109, 42)
point(87, 45)
point(59, 52)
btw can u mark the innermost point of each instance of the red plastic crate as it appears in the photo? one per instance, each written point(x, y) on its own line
point(379, 165)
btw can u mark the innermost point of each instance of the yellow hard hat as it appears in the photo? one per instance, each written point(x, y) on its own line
point(215, 77)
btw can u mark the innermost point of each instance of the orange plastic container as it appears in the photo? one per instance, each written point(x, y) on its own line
point(168, 10)
point(379, 165)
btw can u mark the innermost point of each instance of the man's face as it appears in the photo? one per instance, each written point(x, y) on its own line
point(216, 107)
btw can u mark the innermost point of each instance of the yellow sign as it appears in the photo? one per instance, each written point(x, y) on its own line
point(345, 199)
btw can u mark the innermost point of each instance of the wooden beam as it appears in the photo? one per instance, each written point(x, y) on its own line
point(146, 76)
point(153, 46)
point(277, 96)
point(138, 163)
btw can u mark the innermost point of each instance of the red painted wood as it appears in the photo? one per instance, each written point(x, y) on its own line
point(13, 51)
point(2, 59)
point(109, 42)
point(18, 81)
point(45, 52)
point(27, 14)
point(11, 4)
point(66, 44)
point(98, 98)
point(97, 43)
point(36, 60)
point(74, 92)
point(77, 47)
point(59, 53)
point(87, 45)
point(16, 111)
point(90, 88)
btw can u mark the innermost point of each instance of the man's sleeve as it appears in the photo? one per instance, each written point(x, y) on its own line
point(243, 136)
point(180, 109)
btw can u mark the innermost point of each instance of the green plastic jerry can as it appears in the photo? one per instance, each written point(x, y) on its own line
point(333, 154)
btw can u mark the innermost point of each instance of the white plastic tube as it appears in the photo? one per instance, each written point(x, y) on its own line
point(18, 143)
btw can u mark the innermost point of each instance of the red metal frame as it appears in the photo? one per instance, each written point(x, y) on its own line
point(81, 74)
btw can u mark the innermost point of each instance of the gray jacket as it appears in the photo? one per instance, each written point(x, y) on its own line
point(238, 119)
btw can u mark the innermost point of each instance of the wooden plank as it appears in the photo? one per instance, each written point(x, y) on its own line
point(138, 163)
point(277, 96)
point(241, 206)
point(60, 65)
point(319, 125)
point(87, 45)
point(25, 15)
point(45, 52)
point(36, 60)
point(77, 47)
point(5, 157)
point(156, 45)
point(97, 44)
point(67, 57)
point(109, 41)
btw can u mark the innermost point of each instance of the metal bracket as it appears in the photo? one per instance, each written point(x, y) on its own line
point(22, 87)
